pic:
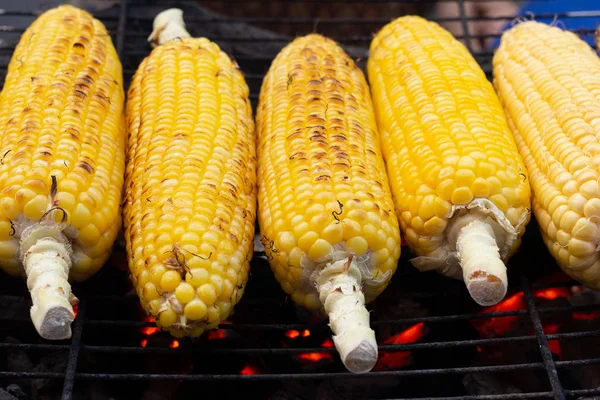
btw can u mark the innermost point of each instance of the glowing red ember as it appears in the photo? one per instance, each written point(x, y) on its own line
point(249, 370)
point(500, 326)
point(305, 333)
point(327, 343)
point(174, 344)
point(216, 335)
point(410, 335)
point(315, 357)
point(144, 342)
point(293, 334)
point(586, 316)
point(554, 344)
point(149, 330)
point(399, 359)
point(552, 293)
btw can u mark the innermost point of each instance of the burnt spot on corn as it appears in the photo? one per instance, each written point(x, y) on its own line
point(53, 187)
point(4, 156)
point(86, 167)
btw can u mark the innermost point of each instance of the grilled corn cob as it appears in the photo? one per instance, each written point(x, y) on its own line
point(190, 182)
point(548, 81)
point(325, 208)
point(458, 181)
point(62, 138)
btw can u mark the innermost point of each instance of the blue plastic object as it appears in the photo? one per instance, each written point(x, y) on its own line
point(574, 15)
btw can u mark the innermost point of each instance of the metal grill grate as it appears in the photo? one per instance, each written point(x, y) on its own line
point(105, 349)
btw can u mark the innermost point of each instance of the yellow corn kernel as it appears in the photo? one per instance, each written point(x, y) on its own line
point(195, 310)
point(436, 111)
point(184, 292)
point(167, 318)
point(62, 136)
point(317, 134)
point(190, 209)
point(545, 78)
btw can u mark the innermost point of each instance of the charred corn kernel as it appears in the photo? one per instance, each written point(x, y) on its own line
point(547, 81)
point(191, 177)
point(317, 134)
point(447, 146)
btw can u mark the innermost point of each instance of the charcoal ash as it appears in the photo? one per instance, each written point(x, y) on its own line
point(488, 384)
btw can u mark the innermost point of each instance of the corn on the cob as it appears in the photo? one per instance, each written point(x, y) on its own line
point(190, 182)
point(459, 184)
point(325, 208)
point(62, 138)
point(548, 81)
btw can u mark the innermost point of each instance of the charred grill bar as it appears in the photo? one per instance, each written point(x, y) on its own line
point(541, 342)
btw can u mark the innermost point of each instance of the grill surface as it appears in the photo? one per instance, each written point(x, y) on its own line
point(247, 354)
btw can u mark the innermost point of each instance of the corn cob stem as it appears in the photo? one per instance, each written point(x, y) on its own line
point(168, 25)
point(484, 272)
point(47, 262)
point(339, 286)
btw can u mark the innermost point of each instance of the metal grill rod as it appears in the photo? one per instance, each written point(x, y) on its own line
point(550, 367)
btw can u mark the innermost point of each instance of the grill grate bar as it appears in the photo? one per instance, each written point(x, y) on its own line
point(550, 367)
point(32, 375)
point(298, 350)
point(580, 392)
point(507, 396)
point(74, 353)
point(465, 24)
point(313, 375)
point(355, 21)
point(343, 39)
point(306, 376)
point(436, 319)
point(121, 28)
point(279, 327)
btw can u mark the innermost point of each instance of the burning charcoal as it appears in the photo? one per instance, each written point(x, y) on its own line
point(352, 388)
point(295, 390)
point(160, 390)
point(4, 395)
point(17, 360)
point(16, 391)
point(583, 296)
point(94, 391)
point(13, 307)
point(587, 376)
point(487, 384)
point(47, 388)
